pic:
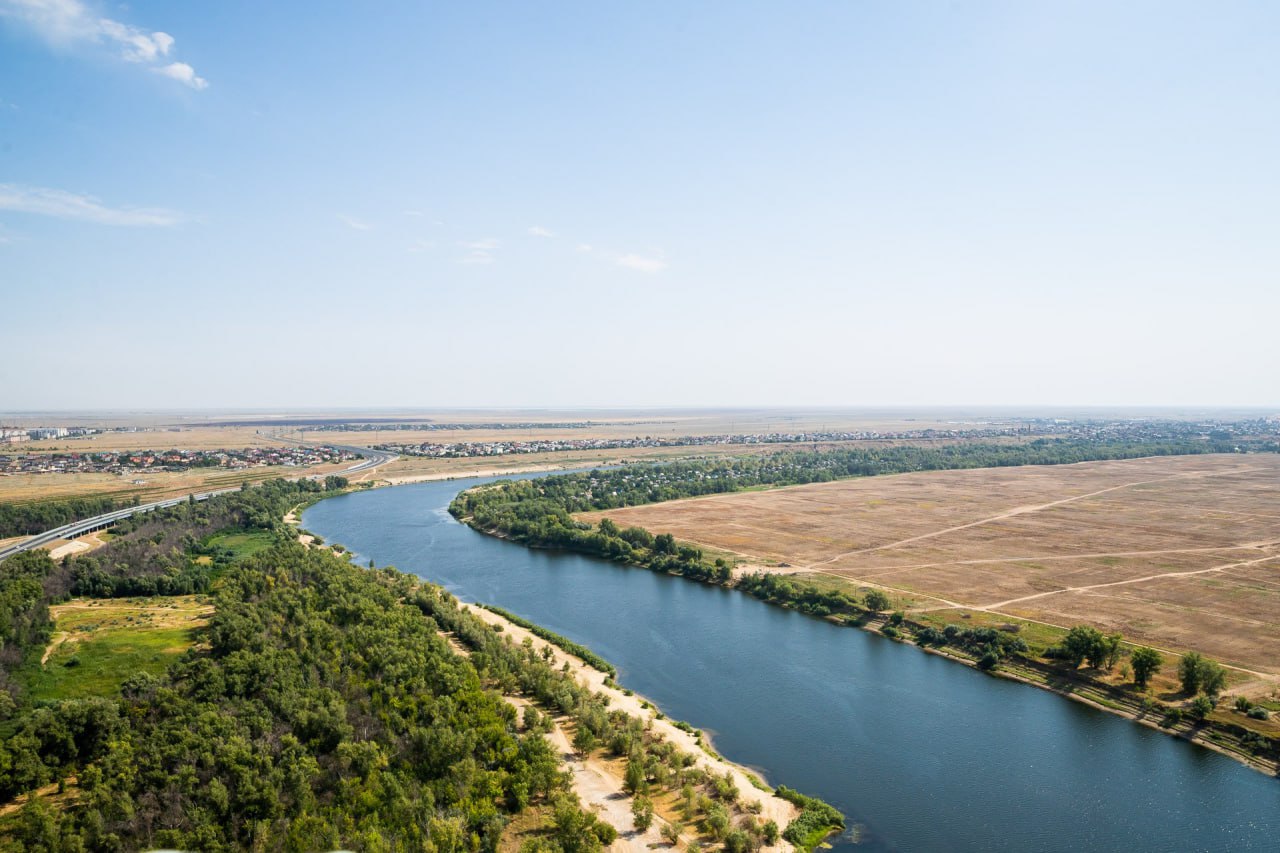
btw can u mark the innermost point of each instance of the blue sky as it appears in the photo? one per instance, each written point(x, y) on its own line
point(588, 204)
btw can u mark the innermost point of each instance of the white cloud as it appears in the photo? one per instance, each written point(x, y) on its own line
point(641, 263)
point(357, 224)
point(486, 245)
point(421, 245)
point(477, 258)
point(183, 73)
point(539, 231)
point(71, 22)
point(65, 205)
point(585, 248)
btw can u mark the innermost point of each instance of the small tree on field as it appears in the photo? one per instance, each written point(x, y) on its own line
point(1198, 673)
point(1201, 707)
point(876, 601)
point(1146, 663)
point(642, 812)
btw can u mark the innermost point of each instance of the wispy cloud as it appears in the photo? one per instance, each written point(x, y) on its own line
point(479, 251)
point(183, 73)
point(539, 231)
point(357, 224)
point(422, 245)
point(642, 263)
point(73, 23)
point(65, 205)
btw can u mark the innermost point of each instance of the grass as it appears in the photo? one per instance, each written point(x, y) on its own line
point(242, 543)
point(98, 643)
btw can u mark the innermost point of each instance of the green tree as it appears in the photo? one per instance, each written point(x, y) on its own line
point(1083, 642)
point(1198, 673)
point(876, 601)
point(1146, 663)
point(642, 812)
point(634, 779)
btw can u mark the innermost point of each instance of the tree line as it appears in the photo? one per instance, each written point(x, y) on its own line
point(28, 519)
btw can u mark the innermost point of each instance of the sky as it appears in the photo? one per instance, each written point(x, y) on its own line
point(245, 204)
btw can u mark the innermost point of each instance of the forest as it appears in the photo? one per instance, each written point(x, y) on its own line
point(27, 519)
point(321, 708)
point(320, 711)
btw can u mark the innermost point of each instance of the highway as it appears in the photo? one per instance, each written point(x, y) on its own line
point(372, 459)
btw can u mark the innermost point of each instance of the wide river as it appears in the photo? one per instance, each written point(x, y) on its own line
point(923, 754)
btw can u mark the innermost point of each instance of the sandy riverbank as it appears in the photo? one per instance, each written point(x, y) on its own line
point(599, 783)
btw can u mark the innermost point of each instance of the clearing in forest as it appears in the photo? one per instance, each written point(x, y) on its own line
point(99, 642)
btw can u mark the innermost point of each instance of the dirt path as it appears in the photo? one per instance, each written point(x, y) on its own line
point(1223, 567)
point(56, 640)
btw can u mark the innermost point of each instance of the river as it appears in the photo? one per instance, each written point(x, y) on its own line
point(921, 753)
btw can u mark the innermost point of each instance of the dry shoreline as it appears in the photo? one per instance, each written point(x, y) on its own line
point(605, 797)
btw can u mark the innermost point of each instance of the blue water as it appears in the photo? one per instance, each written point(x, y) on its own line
point(923, 754)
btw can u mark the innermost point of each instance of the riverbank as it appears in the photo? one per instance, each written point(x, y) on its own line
point(604, 794)
point(1204, 733)
point(600, 782)
point(920, 754)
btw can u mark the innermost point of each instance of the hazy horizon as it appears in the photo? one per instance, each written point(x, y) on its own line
point(730, 205)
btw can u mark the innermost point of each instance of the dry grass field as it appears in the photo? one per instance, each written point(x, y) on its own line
point(1181, 553)
point(21, 488)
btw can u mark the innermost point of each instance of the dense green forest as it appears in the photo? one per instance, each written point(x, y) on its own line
point(155, 553)
point(322, 709)
point(28, 519)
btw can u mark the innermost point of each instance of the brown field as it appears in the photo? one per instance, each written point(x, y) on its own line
point(1180, 553)
point(21, 488)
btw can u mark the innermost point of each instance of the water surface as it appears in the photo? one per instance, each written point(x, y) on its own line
point(924, 754)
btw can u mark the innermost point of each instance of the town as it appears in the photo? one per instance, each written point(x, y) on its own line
point(1131, 430)
point(131, 461)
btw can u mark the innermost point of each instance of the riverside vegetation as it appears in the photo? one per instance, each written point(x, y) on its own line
point(540, 513)
point(320, 707)
point(319, 710)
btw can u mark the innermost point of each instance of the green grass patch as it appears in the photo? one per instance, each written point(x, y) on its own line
point(97, 666)
point(241, 543)
point(101, 642)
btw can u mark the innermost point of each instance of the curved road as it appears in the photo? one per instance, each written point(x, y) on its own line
point(372, 459)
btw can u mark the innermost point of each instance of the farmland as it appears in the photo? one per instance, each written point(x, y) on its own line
point(1178, 552)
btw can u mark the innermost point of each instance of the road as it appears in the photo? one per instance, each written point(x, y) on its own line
point(372, 459)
